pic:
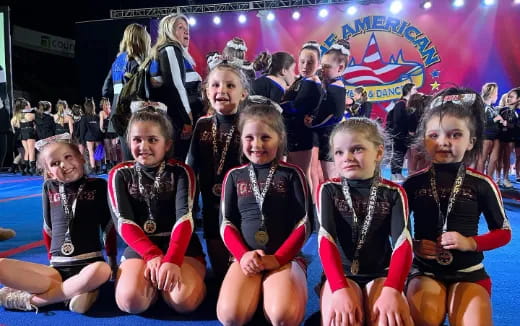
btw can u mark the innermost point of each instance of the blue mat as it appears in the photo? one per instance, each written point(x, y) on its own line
point(20, 209)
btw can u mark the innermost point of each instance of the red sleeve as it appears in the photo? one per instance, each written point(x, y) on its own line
point(183, 228)
point(327, 249)
point(135, 237)
point(493, 239)
point(47, 239)
point(121, 209)
point(233, 240)
point(401, 260)
point(294, 243)
point(229, 217)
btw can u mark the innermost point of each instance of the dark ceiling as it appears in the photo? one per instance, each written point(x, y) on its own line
point(58, 17)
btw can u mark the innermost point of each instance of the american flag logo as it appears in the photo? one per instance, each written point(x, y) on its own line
point(372, 70)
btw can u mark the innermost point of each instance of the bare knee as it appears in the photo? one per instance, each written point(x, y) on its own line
point(230, 316)
point(284, 316)
point(132, 304)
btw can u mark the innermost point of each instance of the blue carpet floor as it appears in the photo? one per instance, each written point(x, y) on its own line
point(20, 209)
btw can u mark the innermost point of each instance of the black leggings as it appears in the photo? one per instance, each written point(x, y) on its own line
point(399, 150)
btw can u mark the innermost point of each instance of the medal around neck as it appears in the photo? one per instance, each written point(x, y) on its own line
point(67, 248)
point(217, 189)
point(261, 237)
point(150, 226)
point(354, 268)
point(444, 257)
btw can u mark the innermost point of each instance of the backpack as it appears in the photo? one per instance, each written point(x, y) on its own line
point(136, 89)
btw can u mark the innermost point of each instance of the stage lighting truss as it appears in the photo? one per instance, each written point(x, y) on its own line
point(224, 7)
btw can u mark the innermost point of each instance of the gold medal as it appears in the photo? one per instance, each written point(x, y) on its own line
point(354, 268)
point(150, 226)
point(67, 248)
point(261, 237)
point(444, 257)
point(217, 189)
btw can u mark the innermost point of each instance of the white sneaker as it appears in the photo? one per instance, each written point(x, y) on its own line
point(81, 303)
point(16, 299)
point(507, 184)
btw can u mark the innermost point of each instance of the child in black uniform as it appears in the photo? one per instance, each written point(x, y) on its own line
point(45, 127)
point(23, 120)
point(215, 148)
point(264, 223)
point(364, 243)
point(330, 111)
point(299, 101)
point(89, 131)
point(278, 69)
point(151, 200)
point(74, 211)
point(446, 200)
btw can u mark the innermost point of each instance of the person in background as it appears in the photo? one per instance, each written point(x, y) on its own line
point(397, 128)
point(278, 74)
point(134, 48)
point(168, 79)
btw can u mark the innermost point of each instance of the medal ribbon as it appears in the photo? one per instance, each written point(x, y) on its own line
point(215, 146)
point(359, 240)
point(259, 197)
point(155, 188)
point(457, 185)
point(70, 211)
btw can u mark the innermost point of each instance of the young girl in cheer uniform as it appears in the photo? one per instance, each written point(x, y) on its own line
point(299, 101)
point(446, 200)
point(215, 148)
point(151, 199)
point(264, 223)
point(331, 109)
point(74, 212)
point(364, 243)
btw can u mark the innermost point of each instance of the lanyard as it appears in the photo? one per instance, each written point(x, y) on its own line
point(457, 185)
point(359, 240)
point(259, 197)
point(70, 210)
point(155, 189)
point(215, 147)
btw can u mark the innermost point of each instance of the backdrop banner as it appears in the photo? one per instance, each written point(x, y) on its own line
point(434, 49)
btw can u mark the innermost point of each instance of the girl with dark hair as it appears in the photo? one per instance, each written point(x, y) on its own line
point(278, 70)
point(447, 201)
point(89, 132)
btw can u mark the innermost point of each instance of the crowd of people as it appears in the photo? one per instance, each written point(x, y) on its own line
point(268, 156)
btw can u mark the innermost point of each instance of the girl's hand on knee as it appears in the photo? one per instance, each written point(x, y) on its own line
point(169, 276)
point(391, 309)
point(152, 270)
point(455, 240)
point(344, 310)
point(269, 262)
point(426, 249)
point(251, 263)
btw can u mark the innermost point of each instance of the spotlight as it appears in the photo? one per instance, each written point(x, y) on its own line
point(396, 6)
point(351, 10)
point(516, 2)
point(458, 3)
point(296, 15)
point(489, 2)
point(217, 20)
point(242, 18)
point(426, 5)
point(323, 13)
point(192, 21)
point(270, 16)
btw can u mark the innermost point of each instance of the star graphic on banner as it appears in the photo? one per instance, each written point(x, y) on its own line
point(435, 85)
point(436, 73)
